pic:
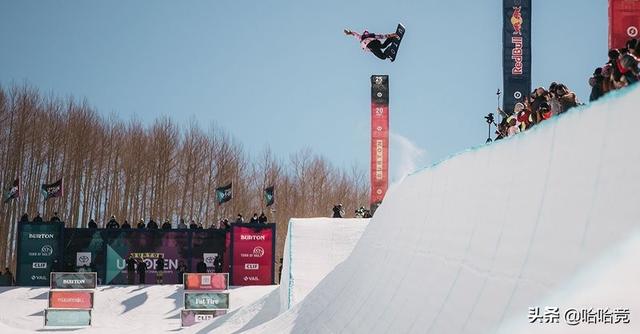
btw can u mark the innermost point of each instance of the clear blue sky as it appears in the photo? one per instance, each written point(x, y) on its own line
point(282, 73)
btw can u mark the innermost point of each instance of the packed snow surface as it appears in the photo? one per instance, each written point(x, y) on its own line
point(547, 218)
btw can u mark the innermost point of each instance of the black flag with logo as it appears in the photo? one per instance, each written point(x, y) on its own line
point(12, 192)
point(52, 190)
point(516, 50)
point(223, 194)
point(269, 193)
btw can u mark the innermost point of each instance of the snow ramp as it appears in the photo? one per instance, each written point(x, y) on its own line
point(547, 218)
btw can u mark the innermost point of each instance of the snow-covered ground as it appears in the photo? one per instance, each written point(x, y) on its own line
point(117, 309)
point(548, 218)
point(314, 247)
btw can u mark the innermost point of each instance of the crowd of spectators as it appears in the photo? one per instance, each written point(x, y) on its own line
point(113, 223)
point(539, 106)
point(619, 71)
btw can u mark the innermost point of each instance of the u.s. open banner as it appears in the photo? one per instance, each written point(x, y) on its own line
point(624, 22)
point(516, 49)
point(379, 138)
point(252, 254)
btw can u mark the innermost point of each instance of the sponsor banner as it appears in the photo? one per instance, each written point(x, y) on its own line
point(206, 300)
point(252, 258)
point(83, 259)
point(67, 318)
point(110, 248)
point(73, 280)
point(624, 22)
point(192, 317)
point(209, 281)
point(379, 137)
point(71, 299)
point(516, 48)
point(209, 259)
point(38, 247)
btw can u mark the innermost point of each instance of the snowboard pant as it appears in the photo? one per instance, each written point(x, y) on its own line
point(131, 276)
point(378, 49)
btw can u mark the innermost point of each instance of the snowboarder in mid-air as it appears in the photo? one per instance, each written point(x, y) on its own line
point(372, 42)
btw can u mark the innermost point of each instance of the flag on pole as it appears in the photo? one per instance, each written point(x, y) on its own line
point(13, 191)
point(269, 193)
point(223, 194)
point(52, 190)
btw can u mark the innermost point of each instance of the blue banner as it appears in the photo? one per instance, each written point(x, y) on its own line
point(516, 46)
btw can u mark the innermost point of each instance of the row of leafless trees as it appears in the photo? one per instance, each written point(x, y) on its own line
point(161, 170)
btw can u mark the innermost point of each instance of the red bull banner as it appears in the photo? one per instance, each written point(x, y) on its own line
point(516, 46)
point(379, 138)
point(209, 281)
point(624, 22)
point(252, 254)
point(71, 299)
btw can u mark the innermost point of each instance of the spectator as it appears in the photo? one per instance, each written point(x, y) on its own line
point(24, 218)
point(55, 266)
point(152, 225)
point(544, 113)
point(338, 212)
point(200, 227)
point(217, 263)
point(263, 218)
point(125, 225)
point(193, 225)
point(566, 98)
point(142, 271)
point(225, 224)
point(239, 219)
point(182, 268)
point(141, 223)
point(513, 126)
point(201, 267)
point(181, 224)
point(8, 276)
point(254, 219)
point(597, 85)
point(131, 270)
point(113, 223)
point(160, 270)
point(92, 224)
point(37, 219)
point(55, 218)
point(166, 225)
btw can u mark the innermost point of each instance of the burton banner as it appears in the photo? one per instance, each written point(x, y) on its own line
point(39, 244)
point(252, 254)
point(379, 138)
point(624, 22)
point(516, 49)
point(73, 281)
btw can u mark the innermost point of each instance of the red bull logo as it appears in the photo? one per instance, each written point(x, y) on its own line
point(516, 20)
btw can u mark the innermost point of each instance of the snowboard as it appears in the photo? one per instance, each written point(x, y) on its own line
point(392, 50)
